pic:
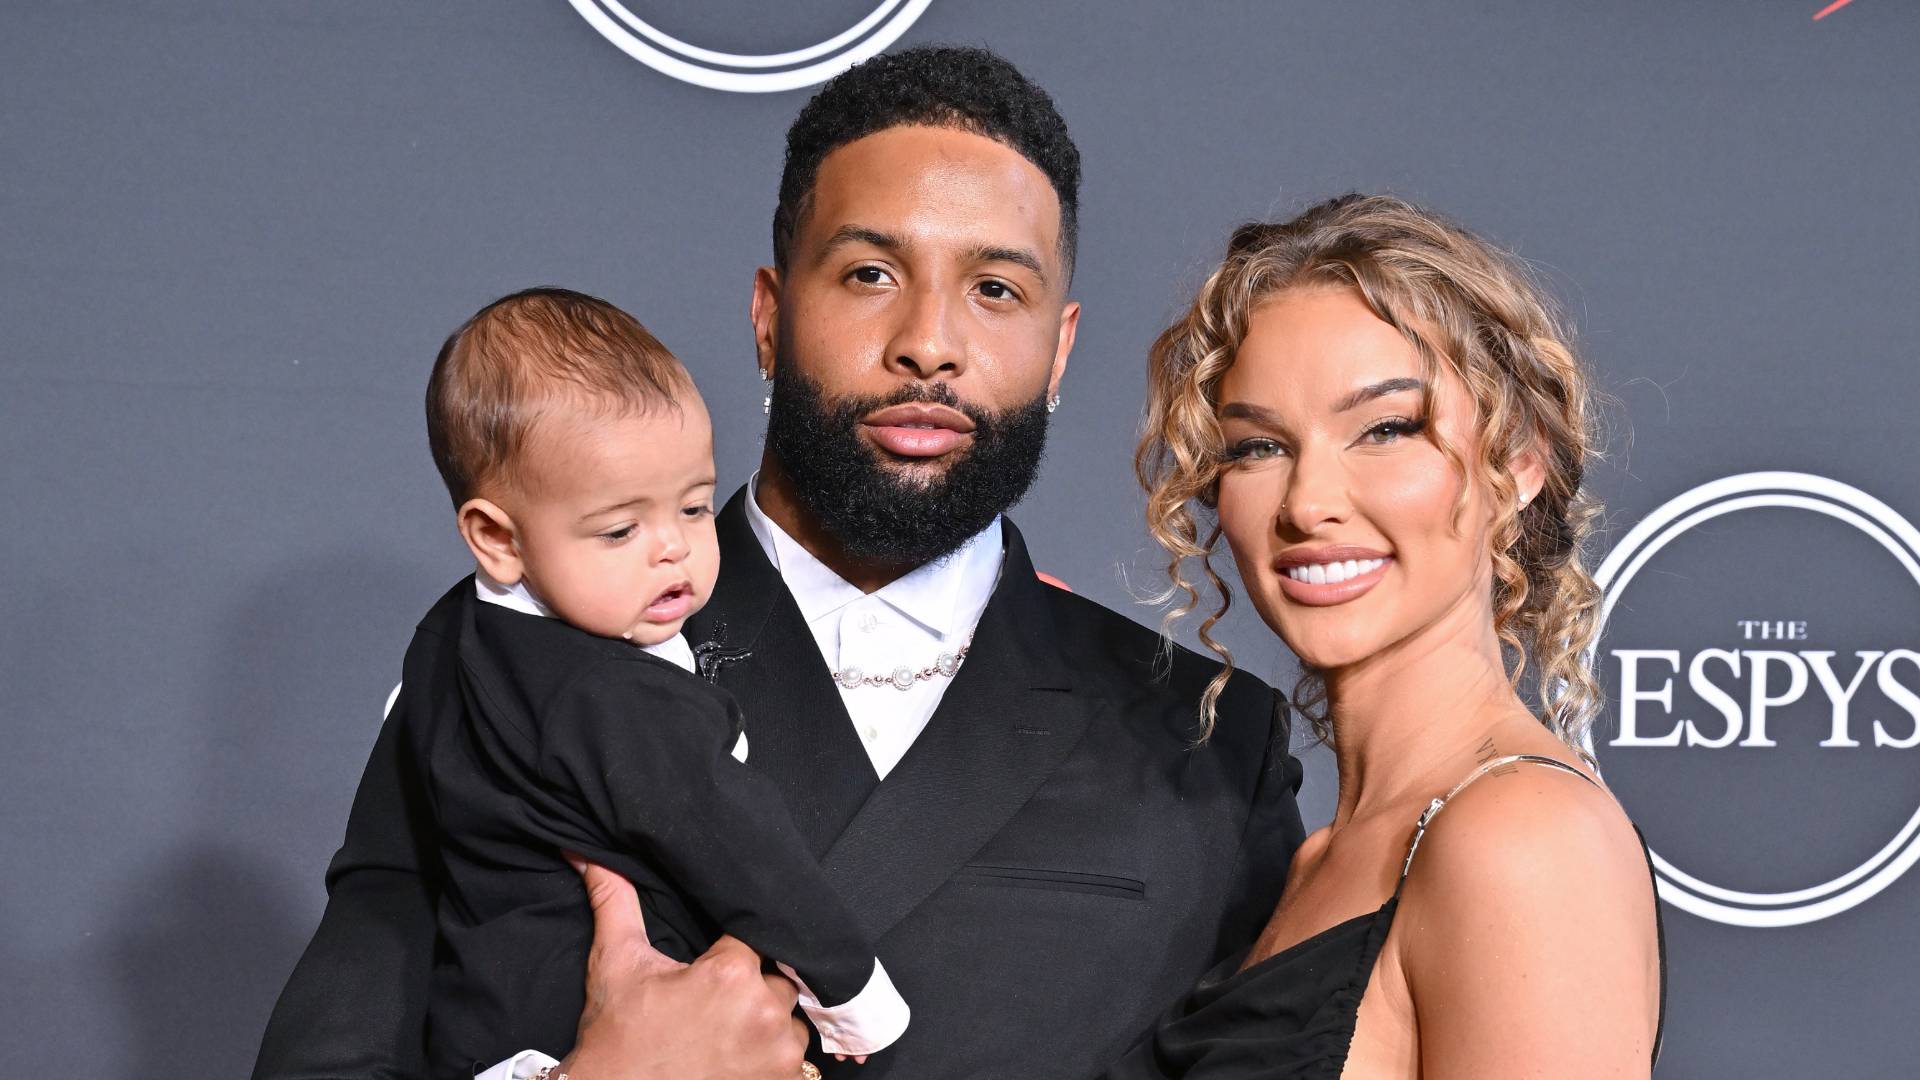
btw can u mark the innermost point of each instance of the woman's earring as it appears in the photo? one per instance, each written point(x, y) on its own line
point(1053, 402)
point(766, 403)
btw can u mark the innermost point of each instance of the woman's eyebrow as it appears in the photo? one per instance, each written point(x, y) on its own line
point(1242, 410)
point(1377, 390)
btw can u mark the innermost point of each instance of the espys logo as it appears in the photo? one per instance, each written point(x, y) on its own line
point(746, 73)
point(1770, 691)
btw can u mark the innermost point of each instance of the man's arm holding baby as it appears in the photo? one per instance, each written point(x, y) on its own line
point(648, 1017)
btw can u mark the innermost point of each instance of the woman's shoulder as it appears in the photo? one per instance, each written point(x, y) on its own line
point(1526, 833)
point(1530, 886)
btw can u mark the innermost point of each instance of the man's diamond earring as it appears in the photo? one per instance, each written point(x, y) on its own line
point(1053, 402)
point(766, 403)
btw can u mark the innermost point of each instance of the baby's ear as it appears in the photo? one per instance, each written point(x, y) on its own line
point(489, 534)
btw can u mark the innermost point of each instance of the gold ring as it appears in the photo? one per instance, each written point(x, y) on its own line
point(809, 1071)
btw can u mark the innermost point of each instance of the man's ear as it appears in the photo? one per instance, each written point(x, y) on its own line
point(489, 534)
point(1069, 326)
point(766, 318)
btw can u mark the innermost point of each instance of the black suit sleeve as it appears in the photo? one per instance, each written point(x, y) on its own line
point(355, 1004)
point(637, 761)
point(1274, 830)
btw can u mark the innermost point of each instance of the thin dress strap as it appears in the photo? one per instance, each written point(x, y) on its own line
point(1433, 808)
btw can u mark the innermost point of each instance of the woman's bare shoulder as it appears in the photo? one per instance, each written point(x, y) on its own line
point(1527, 835)
point(1528, 896)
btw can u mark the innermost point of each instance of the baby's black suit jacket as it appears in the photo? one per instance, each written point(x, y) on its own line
point(531, 738)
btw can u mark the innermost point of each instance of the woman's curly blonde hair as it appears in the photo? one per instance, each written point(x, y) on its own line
point(1461, 303)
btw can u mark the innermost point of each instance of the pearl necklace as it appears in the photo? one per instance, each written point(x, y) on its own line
point(903, 677)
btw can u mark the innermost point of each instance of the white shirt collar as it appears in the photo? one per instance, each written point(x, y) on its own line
point(935, 595)
point(517, 597)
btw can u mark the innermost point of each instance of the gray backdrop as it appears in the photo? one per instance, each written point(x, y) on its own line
point(234, 233)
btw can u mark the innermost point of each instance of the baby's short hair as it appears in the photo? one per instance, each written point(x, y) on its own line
point(521, 355)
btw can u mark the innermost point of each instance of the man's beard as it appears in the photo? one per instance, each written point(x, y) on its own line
point(877, 511)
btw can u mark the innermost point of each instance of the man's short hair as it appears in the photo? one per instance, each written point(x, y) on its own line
point(946, 86)
point(520, 356)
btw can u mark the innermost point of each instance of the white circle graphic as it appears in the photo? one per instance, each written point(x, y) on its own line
point(1793, 491)
point(746, 73)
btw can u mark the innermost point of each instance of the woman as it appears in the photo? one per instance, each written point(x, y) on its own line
point(1380, 415)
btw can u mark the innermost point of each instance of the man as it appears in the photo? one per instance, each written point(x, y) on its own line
point(998, 775)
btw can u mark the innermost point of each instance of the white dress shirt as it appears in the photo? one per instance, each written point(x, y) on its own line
point(907, 623)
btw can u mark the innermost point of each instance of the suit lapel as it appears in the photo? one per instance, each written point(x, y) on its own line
point(1008, 720)
point(752, 641)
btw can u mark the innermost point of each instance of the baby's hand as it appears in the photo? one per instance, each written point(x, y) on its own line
point(858, 1059)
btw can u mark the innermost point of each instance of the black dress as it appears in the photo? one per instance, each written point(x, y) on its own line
point(1292, 1014)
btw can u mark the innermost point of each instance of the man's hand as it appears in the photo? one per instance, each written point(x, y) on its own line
point(652, 1018)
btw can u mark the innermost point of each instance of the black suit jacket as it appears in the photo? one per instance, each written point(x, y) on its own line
point(1049, 866)
point(532, 738)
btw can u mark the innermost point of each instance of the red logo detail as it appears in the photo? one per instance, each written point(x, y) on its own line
point(1830, 9)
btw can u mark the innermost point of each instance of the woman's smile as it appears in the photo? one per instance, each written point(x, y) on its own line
point(1322, 577)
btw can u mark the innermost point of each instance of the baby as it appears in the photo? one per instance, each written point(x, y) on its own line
point(550, 703)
